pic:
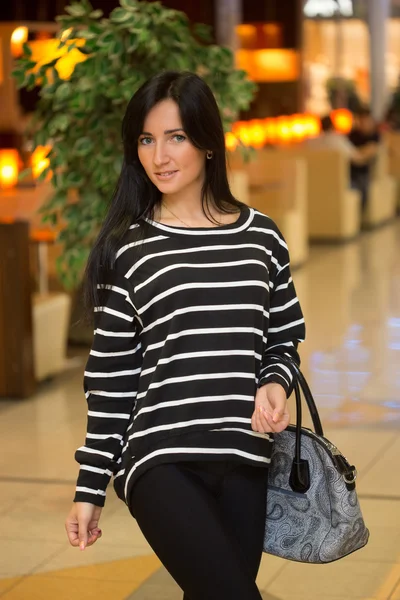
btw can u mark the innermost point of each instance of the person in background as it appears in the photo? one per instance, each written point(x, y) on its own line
point(391, 121)
point(366, 138)
point(334, 140)
point(359, 156)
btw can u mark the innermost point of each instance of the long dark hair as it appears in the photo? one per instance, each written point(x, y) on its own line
point(135, 196)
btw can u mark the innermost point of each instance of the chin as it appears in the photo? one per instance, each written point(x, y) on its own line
point(168, 188)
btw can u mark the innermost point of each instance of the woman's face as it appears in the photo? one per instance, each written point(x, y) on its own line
point(170, 160)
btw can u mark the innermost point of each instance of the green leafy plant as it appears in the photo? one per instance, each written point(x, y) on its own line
point(81, 117)
point(343, 93)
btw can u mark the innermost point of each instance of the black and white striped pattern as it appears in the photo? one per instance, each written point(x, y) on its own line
point(183, 338)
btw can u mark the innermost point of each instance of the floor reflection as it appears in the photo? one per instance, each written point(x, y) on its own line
point(351, 301)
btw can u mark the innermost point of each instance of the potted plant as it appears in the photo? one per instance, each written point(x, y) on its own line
point(81, 116)
point(343, 93)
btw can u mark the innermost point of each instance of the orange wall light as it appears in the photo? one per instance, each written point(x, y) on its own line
point(257, 133)
point(312, 125)
point(270, 64)
point(241, 130)
point(305, 126)
point(247, 35)
point(283, 130)
point(18, 38)
point(231, 141)
point(276, 65)
point(342, 120)
point(9, 162)
point(259, 35)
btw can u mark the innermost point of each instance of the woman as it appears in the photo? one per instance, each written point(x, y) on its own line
point(192, 296)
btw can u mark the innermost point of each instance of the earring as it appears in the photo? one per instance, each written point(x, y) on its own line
point(209, 155)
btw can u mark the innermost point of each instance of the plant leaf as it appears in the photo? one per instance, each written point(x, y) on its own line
point(131, 5)
point(120, 15)
point(27, 49)
point(76, 10)
point(83, 146)
point(25, 173)
point(74, 179)
point(203, 32)
point(63, 91)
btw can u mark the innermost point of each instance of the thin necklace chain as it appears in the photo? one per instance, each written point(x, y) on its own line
point(176, 217)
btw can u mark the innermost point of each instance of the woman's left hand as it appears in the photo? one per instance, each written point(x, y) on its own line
point(271, 413)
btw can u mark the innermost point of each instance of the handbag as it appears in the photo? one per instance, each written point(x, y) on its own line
point(313, 514)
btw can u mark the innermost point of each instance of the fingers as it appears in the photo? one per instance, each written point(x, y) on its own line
point(94, 533)
point(260, 421)
point(82, 524)
point(83, 534)
point(277, 414)
point(281, 424)
point(93, 536)
point(72, 532)
point(87, 535)
point(279, 408)
point(263, 422)
point(256, 423)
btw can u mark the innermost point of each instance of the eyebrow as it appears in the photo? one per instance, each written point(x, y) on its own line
point(167, 132)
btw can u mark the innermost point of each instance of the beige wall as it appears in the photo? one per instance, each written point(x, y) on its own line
point(321, 61)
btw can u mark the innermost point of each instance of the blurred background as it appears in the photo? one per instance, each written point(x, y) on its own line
point(309, 91)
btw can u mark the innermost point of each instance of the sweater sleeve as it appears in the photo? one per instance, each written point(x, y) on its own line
point(286, 325)
point(110, 383)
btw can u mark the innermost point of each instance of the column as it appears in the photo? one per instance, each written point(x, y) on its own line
point(17, 378)
point(378, 14)
point(10, 114)
point(228, 14)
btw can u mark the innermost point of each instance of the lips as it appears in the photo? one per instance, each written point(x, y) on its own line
point(166, 173)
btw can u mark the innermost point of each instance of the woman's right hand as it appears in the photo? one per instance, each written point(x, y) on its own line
point(82, 524)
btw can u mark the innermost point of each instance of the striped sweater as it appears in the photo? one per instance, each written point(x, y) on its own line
point(184, 335)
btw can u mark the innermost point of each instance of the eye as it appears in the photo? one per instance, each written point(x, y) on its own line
point(145, 141)
point(179, 138)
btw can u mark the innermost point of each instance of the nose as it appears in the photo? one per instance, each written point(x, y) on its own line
point(160, 156)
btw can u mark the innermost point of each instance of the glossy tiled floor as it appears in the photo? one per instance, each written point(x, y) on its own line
point(351, 300)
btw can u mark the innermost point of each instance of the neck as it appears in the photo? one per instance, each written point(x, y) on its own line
point(186, 203)
point(185, 209)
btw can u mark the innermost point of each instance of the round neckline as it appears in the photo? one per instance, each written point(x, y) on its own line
point(241, 223)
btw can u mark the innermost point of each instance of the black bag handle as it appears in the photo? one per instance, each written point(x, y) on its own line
point(300, 474)
point(300, 383)
point(299, 479)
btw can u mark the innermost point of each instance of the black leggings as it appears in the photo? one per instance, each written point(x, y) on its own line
point(361, 182)
point(205, 522)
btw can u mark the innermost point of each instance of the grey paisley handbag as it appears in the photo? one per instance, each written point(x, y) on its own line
point(313, 514)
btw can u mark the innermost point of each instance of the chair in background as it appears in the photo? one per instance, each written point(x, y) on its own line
point(277, 187)
point(382, 197)
point(392, 139)
point(333, 209)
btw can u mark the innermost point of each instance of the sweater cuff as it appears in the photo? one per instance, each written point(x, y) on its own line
point(90, 497)
point(91, 485)
point(277, 373)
